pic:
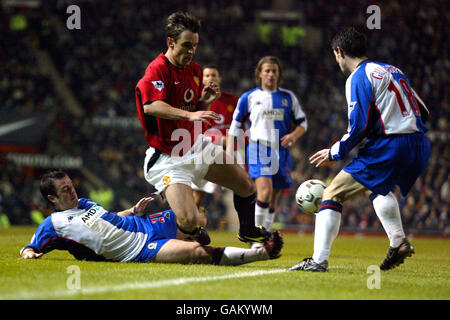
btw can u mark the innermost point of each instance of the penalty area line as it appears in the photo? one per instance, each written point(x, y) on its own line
point(64, 293)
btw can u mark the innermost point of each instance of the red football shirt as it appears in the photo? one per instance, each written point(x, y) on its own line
point(224, 107)
point(179, 87)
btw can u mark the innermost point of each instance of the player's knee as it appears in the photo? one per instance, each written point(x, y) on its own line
point(187, 222)
point(265, 194)
point(247, 187)
point(198, 254)
point(330, 194)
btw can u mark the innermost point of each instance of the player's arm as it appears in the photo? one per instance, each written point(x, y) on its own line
point(301, 123)
point(138, 209)
point(424, 112)
point(289, 139)
point(164, 110)
point(210, 93)
point(235, 133)
point(29, 253)
point(41, 242)
point(362, 111)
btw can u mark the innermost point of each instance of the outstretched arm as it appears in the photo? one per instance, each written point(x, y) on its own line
point(138, 209)
point(29, 253)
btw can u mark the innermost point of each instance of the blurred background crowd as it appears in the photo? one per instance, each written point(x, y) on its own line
point(82, 82)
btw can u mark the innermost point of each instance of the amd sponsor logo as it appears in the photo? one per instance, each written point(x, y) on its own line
point(273, 114)
point(92, 215)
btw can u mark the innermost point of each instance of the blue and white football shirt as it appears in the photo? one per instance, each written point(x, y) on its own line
point(267, 111)
point(90, 232)
point(381, 103)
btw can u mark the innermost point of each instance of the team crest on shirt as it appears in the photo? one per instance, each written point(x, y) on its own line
point(284, 102)
point(159, 85)
point(197, 80)
point(166, 180)
point(230, 108)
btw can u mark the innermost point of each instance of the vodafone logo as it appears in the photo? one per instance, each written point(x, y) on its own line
point(188, 95)
point(221, 119)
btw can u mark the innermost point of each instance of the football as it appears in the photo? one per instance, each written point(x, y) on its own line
point(309, 195)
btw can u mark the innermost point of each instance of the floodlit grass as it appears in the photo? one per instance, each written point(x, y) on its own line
point(424, 276)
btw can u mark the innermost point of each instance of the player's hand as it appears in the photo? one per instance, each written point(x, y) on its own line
point(30, 254)
point(287, 141)
point(211, 92)
point(139, 208)
point(320, 158)
point(203, 116)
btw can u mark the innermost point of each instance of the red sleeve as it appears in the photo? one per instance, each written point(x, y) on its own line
point(154, 85)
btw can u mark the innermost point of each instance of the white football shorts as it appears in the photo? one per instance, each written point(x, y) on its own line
point(162, 170)
point(205, 186)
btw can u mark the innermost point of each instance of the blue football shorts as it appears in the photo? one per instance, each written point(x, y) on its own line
point(263, 161)
point(395, 160)
point(160, 228)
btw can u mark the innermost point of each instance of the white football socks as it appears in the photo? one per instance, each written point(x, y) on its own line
point(325, 231)
point(233, 256)
point(270, 218)
point(261, 212)
point(387, 209)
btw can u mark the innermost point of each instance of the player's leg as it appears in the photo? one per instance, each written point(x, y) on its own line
point(173, 177)
point(178, 251)
point(189, 218)
point(341, 188)
point(270, 218)
point(232, 176)
point(199, 197)
point(280, 181)
point(408, 160)
point(264, 191)
point(181, 201)
point(388, 211)
point(201, 191)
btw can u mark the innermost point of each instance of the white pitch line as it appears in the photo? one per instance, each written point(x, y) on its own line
point(132, 286)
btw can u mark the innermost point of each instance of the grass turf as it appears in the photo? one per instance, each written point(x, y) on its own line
point(424, 276)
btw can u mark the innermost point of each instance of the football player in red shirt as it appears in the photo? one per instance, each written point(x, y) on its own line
point(224, 107)
point(172, 102)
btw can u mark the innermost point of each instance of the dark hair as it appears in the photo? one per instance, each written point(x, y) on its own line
point(47, 185)
point(268, 59)
point(180, 21)
point(352, 42)
point(211, 66)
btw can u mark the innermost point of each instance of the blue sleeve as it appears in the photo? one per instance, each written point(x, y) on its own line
point(43, 237)
point(239, 116)
point(242, 108)
point(361, 113)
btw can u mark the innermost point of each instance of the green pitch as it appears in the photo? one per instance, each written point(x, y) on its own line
point(57, 275)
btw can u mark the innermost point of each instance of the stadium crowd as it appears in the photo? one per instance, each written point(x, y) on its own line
point(102, 62)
